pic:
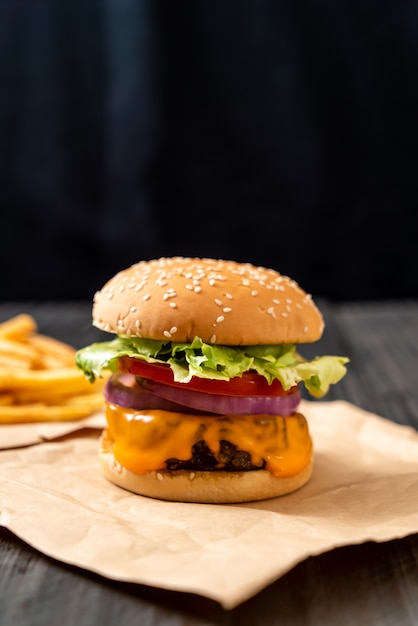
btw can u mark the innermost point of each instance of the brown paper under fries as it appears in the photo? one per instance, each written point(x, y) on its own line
point(364, 487)
point(18, 435)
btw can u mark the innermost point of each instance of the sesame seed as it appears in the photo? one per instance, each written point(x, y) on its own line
point(132, 309)
point(122, 288)
point(137, 323)
point(218, 302)
point(192, 475)
point(197, 289)
point(271, 312)
point(276, 301)
point(146, 297)
point(167, 334)
point(109, 296)
point(254, 292)
point(284, 314)
point(173, 305)
point(212, 282)
point(245, 282)
point(305, 330)
point(212, 339)
point(298, 306)
point(159, 476)
point(173, 330)
point(220, 318)
point(288, 308)
point(227, 309)
point(189, 287)
point(228, 295)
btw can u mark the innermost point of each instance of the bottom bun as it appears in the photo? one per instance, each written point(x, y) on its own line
point(210, 487)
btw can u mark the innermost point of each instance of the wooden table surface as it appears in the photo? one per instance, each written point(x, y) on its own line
point(368, 584)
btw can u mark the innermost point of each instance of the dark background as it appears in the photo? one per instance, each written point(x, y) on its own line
point(280, 132)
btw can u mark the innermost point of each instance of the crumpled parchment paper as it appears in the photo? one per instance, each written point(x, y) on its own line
point(17, 435)
point(364, 487)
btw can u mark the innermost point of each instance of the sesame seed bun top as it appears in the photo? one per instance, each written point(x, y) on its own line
point(222, 302)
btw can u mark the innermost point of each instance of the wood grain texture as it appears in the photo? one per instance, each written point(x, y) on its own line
point(373, 584)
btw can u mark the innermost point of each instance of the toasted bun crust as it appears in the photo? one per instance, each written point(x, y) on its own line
point(222, 302)
point(215, 487)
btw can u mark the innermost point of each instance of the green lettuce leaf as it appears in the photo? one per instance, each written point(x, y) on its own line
point(217, 362)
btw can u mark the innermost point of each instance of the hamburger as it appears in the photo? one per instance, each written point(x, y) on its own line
point(202, 400)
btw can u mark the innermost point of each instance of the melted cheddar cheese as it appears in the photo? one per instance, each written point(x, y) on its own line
point(144, 440)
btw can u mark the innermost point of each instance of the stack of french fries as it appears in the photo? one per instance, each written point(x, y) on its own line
point(39, 381)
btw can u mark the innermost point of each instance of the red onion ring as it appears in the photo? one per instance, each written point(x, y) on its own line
point(123, 390)
point(225, 405)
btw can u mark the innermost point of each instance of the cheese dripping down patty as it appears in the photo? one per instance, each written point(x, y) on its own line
point(145, 440)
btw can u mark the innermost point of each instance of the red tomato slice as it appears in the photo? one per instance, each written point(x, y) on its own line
point(250, 384)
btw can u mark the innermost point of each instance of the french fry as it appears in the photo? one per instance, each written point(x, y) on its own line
point(39, 380)
point(66, 379)
point(24, 413)
point(18, 327)
point(53, 350)
point(20, 350)
point(7, 399)
point(15, 362)
point(53, 396)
